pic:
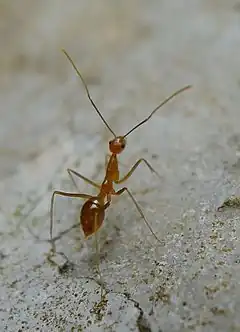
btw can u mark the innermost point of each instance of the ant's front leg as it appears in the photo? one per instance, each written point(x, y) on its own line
point(134, 168)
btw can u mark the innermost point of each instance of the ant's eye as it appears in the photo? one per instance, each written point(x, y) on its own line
point(123, 145)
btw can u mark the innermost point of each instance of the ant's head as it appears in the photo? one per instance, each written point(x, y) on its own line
point(117, 144)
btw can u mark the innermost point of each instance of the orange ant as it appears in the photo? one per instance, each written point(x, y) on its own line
point(93, 210)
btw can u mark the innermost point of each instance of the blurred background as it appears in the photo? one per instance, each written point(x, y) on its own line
point(130, 53)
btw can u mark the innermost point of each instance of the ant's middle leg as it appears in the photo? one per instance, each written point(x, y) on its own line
point(134, 168)
point(71, 171)
point(121, 191)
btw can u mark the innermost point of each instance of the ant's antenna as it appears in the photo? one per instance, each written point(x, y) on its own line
point(159, 106)
point(88, 93)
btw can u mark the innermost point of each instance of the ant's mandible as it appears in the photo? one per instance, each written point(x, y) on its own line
point(93, 210)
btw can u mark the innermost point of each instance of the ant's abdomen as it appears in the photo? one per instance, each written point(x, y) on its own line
point(92, 216)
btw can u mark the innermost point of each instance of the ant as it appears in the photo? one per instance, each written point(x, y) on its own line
point(93, 210)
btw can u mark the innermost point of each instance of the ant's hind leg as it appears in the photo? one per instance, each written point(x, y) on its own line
point(71, 172)
point(98, 263)
point(97, 248)
point(134, 168)
point(121, 191)
point(53, 251)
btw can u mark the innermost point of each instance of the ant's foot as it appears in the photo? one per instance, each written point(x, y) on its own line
point(60, 260)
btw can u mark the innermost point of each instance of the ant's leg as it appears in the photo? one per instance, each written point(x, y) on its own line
point(106, 205)
point(133, 169)
point(60, 193)
point(98, 258)
point(71, 171)
point(121, 191)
